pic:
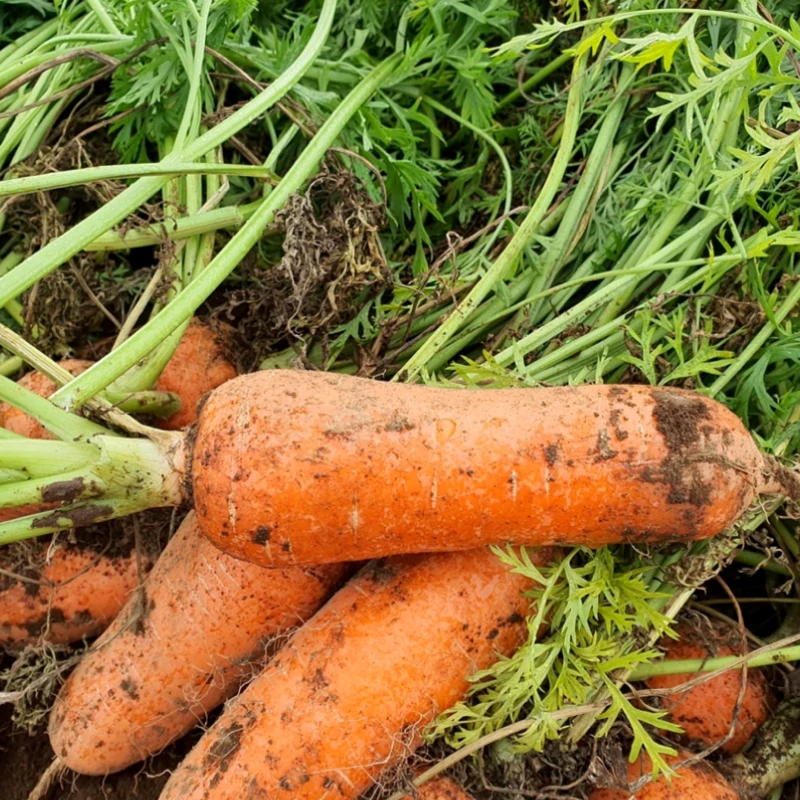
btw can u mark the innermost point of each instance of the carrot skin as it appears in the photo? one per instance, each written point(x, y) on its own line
point(705, 712)
point(440, 789)
point(353, 690)
point(78, 595)
point(199, 630)
point(696, 782)
point(300, 467)
point(198, 366)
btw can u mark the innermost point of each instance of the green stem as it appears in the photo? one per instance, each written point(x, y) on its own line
point(503, 265)
point(569, 229)
point(758, 560)
point(88, 384)
point(601, 296)
point(690, 666)
point(75, 486)
point(60, 423)
point(78, 177)
point(61, 249)
point(756, 343)
point(175, 230)
point(534, 80)
point(136, 473)
point(104, 17)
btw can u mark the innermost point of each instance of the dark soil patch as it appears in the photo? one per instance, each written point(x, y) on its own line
point(24, 758)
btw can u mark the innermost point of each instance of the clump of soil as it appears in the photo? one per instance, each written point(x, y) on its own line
point(23, 760)
point(332, 257)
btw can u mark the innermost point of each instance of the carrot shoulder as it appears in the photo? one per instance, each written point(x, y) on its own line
point(198, 365)
point(317, 467)
point(201, 626)
point(353, 690)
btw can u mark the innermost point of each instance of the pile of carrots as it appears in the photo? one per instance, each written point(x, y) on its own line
point(297, 479)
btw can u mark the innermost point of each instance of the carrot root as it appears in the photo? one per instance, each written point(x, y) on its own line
point(320, 468)
point(352, 692)
point(200, 627)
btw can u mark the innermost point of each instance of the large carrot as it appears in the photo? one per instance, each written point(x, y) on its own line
point(705, 712)
point(202, 626)
point(298, 467)
point(290, 467)
point(352, 692)
point(199, 364)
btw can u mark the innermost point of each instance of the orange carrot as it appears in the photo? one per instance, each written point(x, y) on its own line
point(696, 782)
point(200, 628)
point(300, 467)
point(353, 690)
point(705, 712)
point(63, 596)
point(198, 365)
point(440, 789)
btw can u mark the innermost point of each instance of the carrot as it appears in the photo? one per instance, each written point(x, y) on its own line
point(440, 789)
point(352, 692)
point(200, 629)
point(705, 712)
point(291, 468)
point(17, 421)
point(300, 467)
point(696, 782)
point(198, 365)
point(63, 596)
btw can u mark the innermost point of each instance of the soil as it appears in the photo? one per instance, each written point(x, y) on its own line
point(24, 758)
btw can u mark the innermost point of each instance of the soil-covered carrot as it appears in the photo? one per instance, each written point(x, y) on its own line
point(16, 421)
point(695, 782)
point(203, 624)
point(288, 468)
point(705, 712)
point(299, 467)
point(64, 591)
point(199, 364)
point(354, 689)
point(440, 789)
